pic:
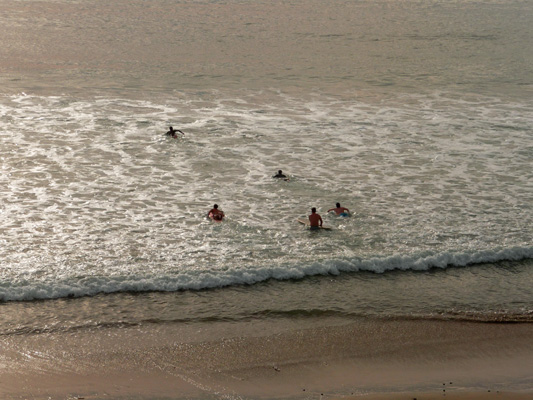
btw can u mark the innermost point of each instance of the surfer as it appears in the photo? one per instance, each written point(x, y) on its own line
point(342, 211)
point(280, 174)
point(315, 220)
point(172, 132)
point(215, 213)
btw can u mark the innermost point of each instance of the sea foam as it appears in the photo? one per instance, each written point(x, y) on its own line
point(200, 279)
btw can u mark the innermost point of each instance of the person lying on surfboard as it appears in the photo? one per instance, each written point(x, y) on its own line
point(172, 132)
point(215, 213)
point(342, 211)
point(315, 220)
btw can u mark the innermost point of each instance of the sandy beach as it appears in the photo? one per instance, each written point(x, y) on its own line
point(391, 359)
point(454, 396)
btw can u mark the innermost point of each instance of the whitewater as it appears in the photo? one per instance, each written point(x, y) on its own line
point(415, 115)
point(97, 200)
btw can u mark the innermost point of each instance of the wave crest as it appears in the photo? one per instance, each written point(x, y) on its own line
point(25, 289)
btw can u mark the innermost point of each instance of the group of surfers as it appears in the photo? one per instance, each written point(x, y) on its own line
point(315, 220)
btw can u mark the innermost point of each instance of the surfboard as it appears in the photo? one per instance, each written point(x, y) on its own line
point(308, 224)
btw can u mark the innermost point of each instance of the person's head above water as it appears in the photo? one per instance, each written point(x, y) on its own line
point(280, 174)
point(338, 205)
point(215, 206)
point(313, 210)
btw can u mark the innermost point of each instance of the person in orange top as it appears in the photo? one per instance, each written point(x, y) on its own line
point(315, 219)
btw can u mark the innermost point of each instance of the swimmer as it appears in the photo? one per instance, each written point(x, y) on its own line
point(281, 175)
point(215, 213)
point(172, 132)
point(342, 211)
point(315, 220)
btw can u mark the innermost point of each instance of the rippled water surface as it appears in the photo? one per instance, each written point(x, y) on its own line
point(414, 115)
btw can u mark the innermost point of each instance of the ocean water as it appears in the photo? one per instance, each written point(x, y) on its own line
point(415, 115)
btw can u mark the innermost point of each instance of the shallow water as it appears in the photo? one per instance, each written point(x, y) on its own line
point(414, 115)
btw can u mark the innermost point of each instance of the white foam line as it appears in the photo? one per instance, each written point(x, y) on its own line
point(204, 279)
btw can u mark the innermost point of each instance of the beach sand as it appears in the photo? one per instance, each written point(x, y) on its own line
point(277, 359)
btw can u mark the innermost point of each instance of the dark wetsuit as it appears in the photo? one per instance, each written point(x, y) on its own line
point(172, 132)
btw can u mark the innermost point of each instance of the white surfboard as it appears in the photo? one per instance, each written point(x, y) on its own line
point(308, 224)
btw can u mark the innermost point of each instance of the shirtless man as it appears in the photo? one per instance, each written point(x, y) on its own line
point(315, 219)
point(215, 213)
point(172, 132)
point(343, 211)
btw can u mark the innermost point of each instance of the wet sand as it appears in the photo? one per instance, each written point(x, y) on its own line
point(453, 396)
point(391, 359)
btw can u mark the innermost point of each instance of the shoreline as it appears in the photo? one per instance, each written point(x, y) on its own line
point(270, 359)
point(487, 395)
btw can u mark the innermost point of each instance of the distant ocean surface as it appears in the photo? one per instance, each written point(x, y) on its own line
point(415, 115)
